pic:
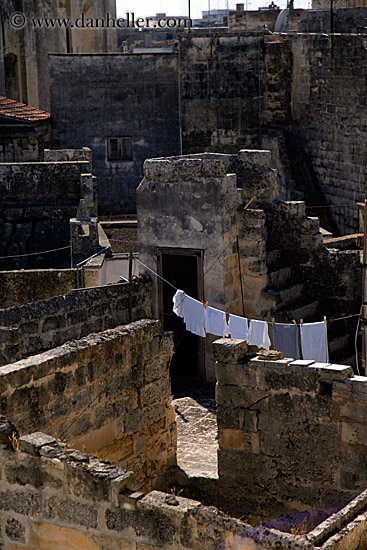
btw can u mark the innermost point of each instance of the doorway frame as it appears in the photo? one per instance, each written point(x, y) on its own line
point(199, 254)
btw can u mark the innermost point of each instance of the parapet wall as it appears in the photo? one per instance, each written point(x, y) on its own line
point(56, 498)
point(108, 393)
point(21, 287)
point(41, 183)
point(291, 433)
point(32, 328)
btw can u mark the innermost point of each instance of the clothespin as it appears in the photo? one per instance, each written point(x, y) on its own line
point(272, 321)
point(325, 320)
point(301, 322)
point(206, 304)
point(294, 322)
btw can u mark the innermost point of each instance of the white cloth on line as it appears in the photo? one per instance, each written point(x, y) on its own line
point(258, 334)
point(238, 327)
point(195, 316)
point(215, 321)
point(179, 303)
point(314, 342)
point(286, 339)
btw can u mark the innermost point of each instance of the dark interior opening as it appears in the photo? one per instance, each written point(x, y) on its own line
point(182, 271)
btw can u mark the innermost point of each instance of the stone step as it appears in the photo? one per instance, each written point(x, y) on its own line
point(287, 296)
point(336, 345)
point(280, 278)
point(306, 312)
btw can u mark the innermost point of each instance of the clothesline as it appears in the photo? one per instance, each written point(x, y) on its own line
point(175, 288)
point(202, 319)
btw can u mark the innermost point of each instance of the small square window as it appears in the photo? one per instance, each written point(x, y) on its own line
point(119, 148)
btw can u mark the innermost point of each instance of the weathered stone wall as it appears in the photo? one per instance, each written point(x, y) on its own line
point(220, 91)
point(31, 44)
point(291, 434)
point(41, 183)
point(329, 111)
point(255, 21)
point(52, 497)
point(345, 20)
point(207, 223)
point(108, 393)
point(134, 95)
point(33, 328)
point(21, 287)
point(37, 201)
point(22, 142)
point(57, 155)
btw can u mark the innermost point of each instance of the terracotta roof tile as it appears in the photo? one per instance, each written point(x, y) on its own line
point(13, 109)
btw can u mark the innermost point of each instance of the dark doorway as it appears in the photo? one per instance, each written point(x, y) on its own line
point(182, 268)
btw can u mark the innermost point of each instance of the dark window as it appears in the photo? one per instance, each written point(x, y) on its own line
point(119, 148)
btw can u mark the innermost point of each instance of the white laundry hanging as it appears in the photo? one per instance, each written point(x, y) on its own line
point(238, 327)
point(215, 321)
point(258, 334)
point(194, 316)
point(179, 303)
point(314, 342)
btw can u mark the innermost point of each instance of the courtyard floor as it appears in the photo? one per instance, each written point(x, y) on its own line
point(197, 431)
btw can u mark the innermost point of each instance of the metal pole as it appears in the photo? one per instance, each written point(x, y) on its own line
point(130, 280)
point(240, 275)
point(364, 292)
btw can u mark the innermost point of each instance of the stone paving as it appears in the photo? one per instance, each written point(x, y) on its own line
point(196, 431)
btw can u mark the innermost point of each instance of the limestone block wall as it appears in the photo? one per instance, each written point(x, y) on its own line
point(41, 183)
point(221, 91)
point(54, 497)
point(291, 433)
point(139, 99)
point(191, 203)
point(37, 199)
point(329, 110)
point(35, 327)
point(108, 394)
point(21, 287)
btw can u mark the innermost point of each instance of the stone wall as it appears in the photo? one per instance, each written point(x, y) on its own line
point(57, 155)
point(21, 287)
point(52, 497)
point(41, 183)
point(291, 433)
point(22, 142)
point(329, 111)
point(206, 224)
point(220, 91)
point(108, 393)
point(345, 20)
point(33, 328)
point(132, 95)
point(37, 201)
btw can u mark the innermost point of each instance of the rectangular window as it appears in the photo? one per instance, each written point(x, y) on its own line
point(119, 148)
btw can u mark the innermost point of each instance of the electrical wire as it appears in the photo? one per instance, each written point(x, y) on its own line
point(34, 253)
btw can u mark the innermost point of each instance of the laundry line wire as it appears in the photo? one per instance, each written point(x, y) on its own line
point(34, 253)
point(175, 288)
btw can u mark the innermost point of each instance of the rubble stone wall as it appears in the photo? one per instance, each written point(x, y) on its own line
point(108, 393)
point(220, 91)
point(32, 328)
point(291, 433)
point(52, 497)
point(21, 287)
point(329, 111)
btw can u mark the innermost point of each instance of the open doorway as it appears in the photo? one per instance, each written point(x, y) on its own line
point(182, 268)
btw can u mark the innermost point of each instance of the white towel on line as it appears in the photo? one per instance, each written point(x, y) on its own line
point(179, 303)
point(215, 321)
point(314, 342)
point(194, 316)
point(258, 334)
point(238, 327)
